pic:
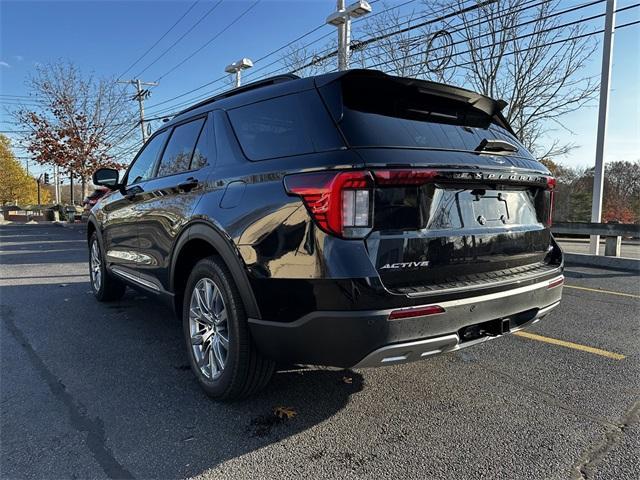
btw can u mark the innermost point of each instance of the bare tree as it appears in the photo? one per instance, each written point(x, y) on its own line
point(525, 53)
point(402, 45)
point(305, 61)
point(81, 123)
point(528, 56)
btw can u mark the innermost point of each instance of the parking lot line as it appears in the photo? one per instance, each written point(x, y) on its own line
point(575, 346)
point(602, 291)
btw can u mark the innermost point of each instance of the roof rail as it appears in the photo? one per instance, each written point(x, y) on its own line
point(244, 88)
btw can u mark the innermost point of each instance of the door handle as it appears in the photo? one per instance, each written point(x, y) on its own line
point(132, 193)
point(188, 184)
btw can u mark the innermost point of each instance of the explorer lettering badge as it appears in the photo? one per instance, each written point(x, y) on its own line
point(405, 265)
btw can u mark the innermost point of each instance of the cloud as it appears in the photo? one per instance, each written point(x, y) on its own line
point(18, 58)
point(4, 64)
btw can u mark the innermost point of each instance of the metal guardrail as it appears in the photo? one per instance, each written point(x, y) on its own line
point(613, 233)
point(604, 229)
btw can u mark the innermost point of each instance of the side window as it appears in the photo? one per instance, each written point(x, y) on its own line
point(205, 148)
point(177, 156)
point(142, 168)
point(284, 126)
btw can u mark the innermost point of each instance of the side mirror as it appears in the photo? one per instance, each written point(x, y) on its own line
point(106, 177)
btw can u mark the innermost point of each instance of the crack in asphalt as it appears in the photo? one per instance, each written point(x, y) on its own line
point(584, 468)
point(94, 428)
point(548, 397)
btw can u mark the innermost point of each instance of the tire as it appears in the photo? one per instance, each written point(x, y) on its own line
point(103, 285)
point(211, 318)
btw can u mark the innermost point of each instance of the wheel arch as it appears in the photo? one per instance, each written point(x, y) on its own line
point(92, 227)
point(200, 240)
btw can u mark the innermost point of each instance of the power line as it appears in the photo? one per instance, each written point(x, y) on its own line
point(254, 72)
point(159, 40)
point(537, 32)
point(528, 22)
point(207, 13)
point(386, 35)
point(200, 49)
point(461, 26)
point(534, 47)
point(331, 52)
point(171, 46)
point(248, 75)
point(236, 20)
point(385, 63)
point(364, 43)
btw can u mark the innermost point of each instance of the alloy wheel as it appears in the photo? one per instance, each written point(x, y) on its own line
point(96, 266)
point(208, 328)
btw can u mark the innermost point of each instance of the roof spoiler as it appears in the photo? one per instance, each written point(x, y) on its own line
point(487, 105)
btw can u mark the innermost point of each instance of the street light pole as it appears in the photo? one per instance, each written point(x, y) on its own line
point(343, 44)
point(603, 110)
point(237, 67)
point(341, 19)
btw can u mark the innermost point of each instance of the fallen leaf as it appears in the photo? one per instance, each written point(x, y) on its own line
point(284, 412)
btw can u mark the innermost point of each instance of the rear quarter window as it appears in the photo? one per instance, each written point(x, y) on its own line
point(294, 124)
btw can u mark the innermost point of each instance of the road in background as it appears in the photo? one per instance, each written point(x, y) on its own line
point(629, 248)
point(95, 390)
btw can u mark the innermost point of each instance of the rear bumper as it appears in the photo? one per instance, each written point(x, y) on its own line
point(418, 350)
point(368, 338)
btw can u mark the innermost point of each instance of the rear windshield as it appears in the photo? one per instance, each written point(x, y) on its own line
point(382, 113)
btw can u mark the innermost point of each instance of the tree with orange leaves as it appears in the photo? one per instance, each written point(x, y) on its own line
point(77, 122)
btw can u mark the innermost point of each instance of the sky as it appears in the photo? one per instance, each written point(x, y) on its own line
point(106, 37)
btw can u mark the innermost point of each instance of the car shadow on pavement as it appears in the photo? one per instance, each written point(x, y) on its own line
point(41, 244)
point(126, 382)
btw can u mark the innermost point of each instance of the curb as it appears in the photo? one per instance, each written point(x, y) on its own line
point(617, 263)
point(76, 226)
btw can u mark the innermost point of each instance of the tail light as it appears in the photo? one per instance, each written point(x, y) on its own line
point(341, 203)
point(404, 177)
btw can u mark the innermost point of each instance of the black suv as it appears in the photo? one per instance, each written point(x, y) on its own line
point(352, 219)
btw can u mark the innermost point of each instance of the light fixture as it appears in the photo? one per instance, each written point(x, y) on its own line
point(241, 64)
point(336, 19)
point(358, 9)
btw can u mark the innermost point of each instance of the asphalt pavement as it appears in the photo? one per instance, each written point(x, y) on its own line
point(92, 390)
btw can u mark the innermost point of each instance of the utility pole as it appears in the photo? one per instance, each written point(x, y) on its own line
point(603, 110)
point(237, 67)
point(71, 195)
point(56, 185)
point(141, 95)
point(341, 19)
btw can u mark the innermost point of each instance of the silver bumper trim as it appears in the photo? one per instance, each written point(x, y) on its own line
point(419, 349)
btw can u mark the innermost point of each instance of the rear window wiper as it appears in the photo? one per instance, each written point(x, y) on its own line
point(497, 146)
